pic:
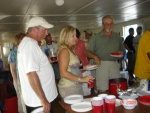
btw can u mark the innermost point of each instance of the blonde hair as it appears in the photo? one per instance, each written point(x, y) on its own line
point(64, 35)
point(18, 38)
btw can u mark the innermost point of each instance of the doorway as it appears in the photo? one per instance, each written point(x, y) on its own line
point(126, 30)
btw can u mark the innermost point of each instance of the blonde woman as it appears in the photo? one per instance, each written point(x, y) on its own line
point(71, 76)
point(12, 60)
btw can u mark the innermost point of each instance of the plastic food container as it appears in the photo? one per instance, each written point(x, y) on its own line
point(129, 103)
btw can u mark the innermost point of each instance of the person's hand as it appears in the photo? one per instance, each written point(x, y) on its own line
point(49, 58)
point(131, 51)
point(84, 67)
point(87, 79)
point(120, 52)
point(46, 106)
point(87, 65)
point(97, 60)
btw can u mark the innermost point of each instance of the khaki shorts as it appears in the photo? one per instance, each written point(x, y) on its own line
point(107, 70)
point(72, 90)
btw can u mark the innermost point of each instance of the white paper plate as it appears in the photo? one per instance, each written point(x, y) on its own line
point(119, 56)
point(82, 107)
point(118, 102)
point(91, 67)
point(73, 99)
point(129, 97)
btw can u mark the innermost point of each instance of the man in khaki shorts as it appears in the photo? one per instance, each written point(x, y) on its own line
point(99, 48)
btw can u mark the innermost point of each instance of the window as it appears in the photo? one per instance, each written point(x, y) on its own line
point(6, 49)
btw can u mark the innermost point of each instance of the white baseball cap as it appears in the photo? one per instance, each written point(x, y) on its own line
point(88, 31)
point(39, 21)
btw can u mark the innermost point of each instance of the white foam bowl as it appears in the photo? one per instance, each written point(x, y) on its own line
point(129, 107)
point(129, 103)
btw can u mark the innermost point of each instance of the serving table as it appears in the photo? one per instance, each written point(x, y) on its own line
point(140, 108)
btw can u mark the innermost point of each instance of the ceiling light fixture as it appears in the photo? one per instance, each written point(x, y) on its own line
point(59, 2)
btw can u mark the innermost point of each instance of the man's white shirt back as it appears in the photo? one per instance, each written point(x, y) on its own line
point(32, 58)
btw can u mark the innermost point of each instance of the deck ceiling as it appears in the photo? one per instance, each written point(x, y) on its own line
point(82, 14)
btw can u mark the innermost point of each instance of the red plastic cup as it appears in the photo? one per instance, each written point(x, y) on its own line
point(103, 96)
point(54, 58)
point(91, 84)
point(52, 55)
point(97, 109)
point(97, 105)
point(110, 107)
point(110, 103)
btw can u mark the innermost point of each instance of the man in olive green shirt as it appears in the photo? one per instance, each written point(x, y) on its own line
point(99, 48)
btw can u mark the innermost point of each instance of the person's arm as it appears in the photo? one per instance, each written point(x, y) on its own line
point(148, 54)
point(126, 46)
point(63, 62)
point(13, 73)
point(93, 56)
point(89, 51)
point(36, 86)
point(86, 44)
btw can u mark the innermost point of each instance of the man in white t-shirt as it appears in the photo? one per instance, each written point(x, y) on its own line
point(35, 72)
